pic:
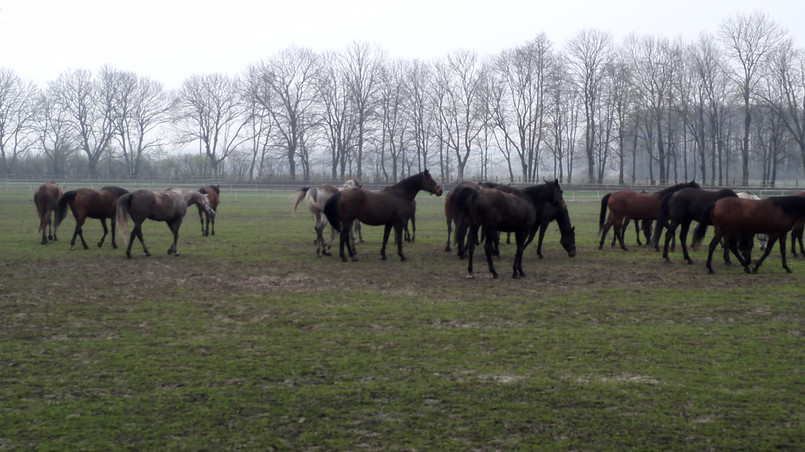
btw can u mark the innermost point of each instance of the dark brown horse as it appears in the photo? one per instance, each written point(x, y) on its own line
point(561, 215)
point(457, 215)
point(680, 209)
point(797, 232)
point(733, 217)
point(390, 207)
point(45, 197)
point(629, 204)
point(213, 193)
point(89, 203)
point(169, 206)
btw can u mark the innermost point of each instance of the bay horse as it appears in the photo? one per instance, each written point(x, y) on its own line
point(213, 193)
point(797, 232)
point(733, 217)
point(636, 206)
point(457, 215)
point(169, 206)
point(390, 207)
point(561, 215)
point(45, 198)
point(89, 203)
point(679, 210)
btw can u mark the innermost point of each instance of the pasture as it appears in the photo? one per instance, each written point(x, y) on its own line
point(247, 340)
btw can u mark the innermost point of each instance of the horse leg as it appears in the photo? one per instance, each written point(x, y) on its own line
point(386, 231)
point(772, 239)
point(449, 231)
point(782, 252)
point(619, 234)
point(517, 268)
point(489, 248)
point(683, 236)
point(78, 233)
point(542, 228)
point(710, 249)
point(398, 233)
point(463, 236)
point(105, 232)
point(637, 232)
point(201, 220)
point(470, 250)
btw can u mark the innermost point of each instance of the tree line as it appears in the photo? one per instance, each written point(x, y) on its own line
point(728, 106)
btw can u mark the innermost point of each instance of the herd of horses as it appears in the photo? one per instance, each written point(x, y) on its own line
point(475, 213)
point(119, 205)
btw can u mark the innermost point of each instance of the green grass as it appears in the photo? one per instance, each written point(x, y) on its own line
point(248, 341)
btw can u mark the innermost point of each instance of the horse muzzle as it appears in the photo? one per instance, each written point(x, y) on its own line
point(437, 191)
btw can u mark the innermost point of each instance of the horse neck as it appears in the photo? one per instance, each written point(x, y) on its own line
point(409, 186)
point(563, 221)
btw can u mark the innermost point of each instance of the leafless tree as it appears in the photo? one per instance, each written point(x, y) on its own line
point(336, 111)
point(209, 110)
point(749, 41)
point(563, 120)
point(17, 118)
point(363, 66)
point(392, 99)
point(88, 105)
point(53, 130)
point(785, 92)
point(459, 85)
point(421, 112)
point(140, 107)
point(256, 99)
point(588, 54)
point(289, 93)
point(520, 108)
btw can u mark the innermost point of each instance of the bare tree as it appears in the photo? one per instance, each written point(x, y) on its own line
point(88, 104)
point(521, 105)
point(363, 66)
point(749, 40)
point(17, 116)
point(459, 85)
point(256, 99)
point(785, 92)
point(589, 53)
point(393, 122)
point(289, 93)
point(209, 110)
point(336, 112)
point(418, 81)
point(563, 119)
point(53, 130)
point(141, 107)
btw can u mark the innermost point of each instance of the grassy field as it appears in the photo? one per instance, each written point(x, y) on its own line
point(247, 340)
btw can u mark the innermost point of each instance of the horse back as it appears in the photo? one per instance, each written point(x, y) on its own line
point(733, 215)
point(638, 206)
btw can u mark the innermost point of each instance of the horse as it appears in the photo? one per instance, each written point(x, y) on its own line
point(561, 215)
point(316, 198)
point(492, 210)
point(629, 204)
point(455, 214)
point(762, 239)
point(733, 217)
point(89, 203)
point(169, 206)
point(356, 228)
point(390, 207)
point(213, 193)
point(797, 232)
point(45, 198)
point(681, 208)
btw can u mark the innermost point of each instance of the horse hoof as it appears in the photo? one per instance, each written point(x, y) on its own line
point(470, 276)
point(447, 249)
point(403, 259)
point(128, 255)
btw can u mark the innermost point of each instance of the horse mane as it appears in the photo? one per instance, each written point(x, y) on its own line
point(116, 191)
point(790, 205)
point(677, 187)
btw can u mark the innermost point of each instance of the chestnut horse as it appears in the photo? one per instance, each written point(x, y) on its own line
point(636, 206)
point(213, 193)
point(45, 197)
point(89, 203)
point(169, 206)
point(733, 217)
point(390, 207)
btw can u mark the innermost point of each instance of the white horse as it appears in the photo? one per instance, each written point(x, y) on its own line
point(316, 197)
point(762, 239)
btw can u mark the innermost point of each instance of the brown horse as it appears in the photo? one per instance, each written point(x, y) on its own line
point(169, 206)
point(456, 215)
point(636, 206)
point(567, 232)
point(45, 198)
point(89, 203)
point(734, 217)
point(213, 193)
point(390, 207)
point(797, 232)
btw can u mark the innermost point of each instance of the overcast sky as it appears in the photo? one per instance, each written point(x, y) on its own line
point(169, 40)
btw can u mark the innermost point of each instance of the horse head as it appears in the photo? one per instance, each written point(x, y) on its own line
point(557, 199)
point(430, 185)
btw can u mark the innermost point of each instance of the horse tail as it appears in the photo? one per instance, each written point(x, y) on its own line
point(299, 197)
point(61, 207)
point(122, 215)
point(331, 212)
point(44, 204)
point(602, 217)
point(701, 228)
point(662, 219)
